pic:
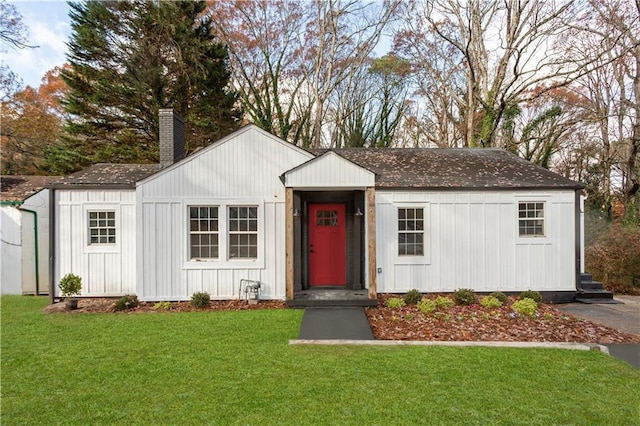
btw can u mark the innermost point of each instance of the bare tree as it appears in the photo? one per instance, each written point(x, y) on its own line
point(367, 109)
point(13, 32)
point(265, 54)
point(481, 57)
point(609, 34)
point(289, 58)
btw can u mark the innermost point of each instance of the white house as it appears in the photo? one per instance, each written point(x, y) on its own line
point(24, 234)
point(254, 207)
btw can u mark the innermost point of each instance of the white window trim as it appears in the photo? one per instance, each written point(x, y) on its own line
point(101, 248)
point(545, 219)
point(223, 261)
point(424, 259)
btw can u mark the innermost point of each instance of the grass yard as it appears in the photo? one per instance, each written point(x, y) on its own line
point(237, 368)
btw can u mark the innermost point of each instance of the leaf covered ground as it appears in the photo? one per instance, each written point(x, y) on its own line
point(476, 323)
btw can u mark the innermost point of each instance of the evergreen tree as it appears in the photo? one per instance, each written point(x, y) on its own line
point(128, 60)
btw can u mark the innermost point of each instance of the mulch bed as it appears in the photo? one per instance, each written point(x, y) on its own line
point(476, 323)
point(459, 323)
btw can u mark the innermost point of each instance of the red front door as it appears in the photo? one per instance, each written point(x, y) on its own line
point(327, 244)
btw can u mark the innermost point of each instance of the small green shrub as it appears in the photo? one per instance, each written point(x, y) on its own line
point(128, 301)
point(70, 285)
point(531, 294)
point(162, 306)
point(444, 302)
point(412, 297)
point(427, 306)
point(525, 306)
point(465, 296)
point(200, 300)
point(500, 296)
point(394, 302)
point(490, 302)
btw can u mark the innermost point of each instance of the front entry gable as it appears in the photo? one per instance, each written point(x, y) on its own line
point(329, 171)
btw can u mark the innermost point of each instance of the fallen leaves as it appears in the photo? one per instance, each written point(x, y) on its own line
point(475, 323)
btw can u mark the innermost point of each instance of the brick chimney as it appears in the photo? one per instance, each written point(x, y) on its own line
point(171, 137)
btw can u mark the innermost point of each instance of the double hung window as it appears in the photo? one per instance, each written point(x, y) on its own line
point(411, 231)
point(243, 232)
point(203, 232)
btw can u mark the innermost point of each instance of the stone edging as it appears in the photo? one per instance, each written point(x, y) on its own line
point(529, 345)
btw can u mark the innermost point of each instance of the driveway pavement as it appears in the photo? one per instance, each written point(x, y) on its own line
point(624, 316)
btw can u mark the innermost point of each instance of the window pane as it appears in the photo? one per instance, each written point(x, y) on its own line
point(203, 227)
point(531, 219)
point(410, 231)
point(101, 227)
point(243, 231)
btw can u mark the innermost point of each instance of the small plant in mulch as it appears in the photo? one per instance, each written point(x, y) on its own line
point(465, 296)
point(531, 294)
point(394, 302)
point(490, 302)
point(162, 306)
point(412, 297)
point(200, 300)
point(525, 306)
point(444, 302)
point(427, 306)
point(500, 296)
point(126, 302)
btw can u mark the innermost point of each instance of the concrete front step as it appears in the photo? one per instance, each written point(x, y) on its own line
point(315, 303)
point(591, 285)
point(595, 294)
point(597, 301)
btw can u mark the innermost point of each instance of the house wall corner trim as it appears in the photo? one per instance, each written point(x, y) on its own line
point(289, 243)
point(372, 272)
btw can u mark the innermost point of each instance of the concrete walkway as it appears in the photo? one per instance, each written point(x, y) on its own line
point(335, 324)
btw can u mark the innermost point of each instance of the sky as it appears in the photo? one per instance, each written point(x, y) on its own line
point(49, 28)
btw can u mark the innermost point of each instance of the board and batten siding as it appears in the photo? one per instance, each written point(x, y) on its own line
point(106, 270)
point(243, 170)
point(472, 241)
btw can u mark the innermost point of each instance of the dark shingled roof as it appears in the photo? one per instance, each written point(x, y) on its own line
point(440, 168)
point(410, 168)
point(108, 175)
point(19, 188)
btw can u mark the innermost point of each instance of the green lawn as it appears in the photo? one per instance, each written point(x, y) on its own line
point(237, 368)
